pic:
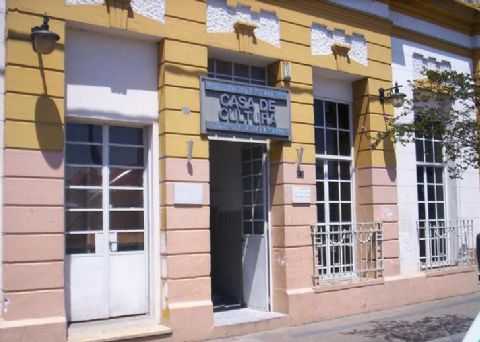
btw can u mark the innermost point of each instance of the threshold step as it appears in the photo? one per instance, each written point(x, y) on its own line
point(117, 331)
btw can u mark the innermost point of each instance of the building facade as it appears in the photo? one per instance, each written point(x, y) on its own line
point(191, 169)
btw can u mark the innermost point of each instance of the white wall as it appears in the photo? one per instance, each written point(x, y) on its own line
point(463, 198)
point(110, 77)
point(334, 86)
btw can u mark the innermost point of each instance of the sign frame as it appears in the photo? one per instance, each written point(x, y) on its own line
point(226, 129)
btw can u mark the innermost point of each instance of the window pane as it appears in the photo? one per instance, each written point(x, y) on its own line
point(343, 116)
point(331, 142)
point(432, 212)
point(247, 228)
point(332, 169)
point(83, 198)
point(80, 243)
point(419, 150)
point(258, 197)
point(333, 191)
point(83, 133)
point(211, 63)
point(439, 175)
point(130, 242)
point(346, 213)
point(439, 193)
point(430, 177)
point(421, 211)
point(438, 152)
point(222, 67)
point(431, 193)
point(258, 213)
point(126, 198)
point(83, 220)
point(320, 191)
point(126, 135)
point(127, 156)
point(247, 213)
point(440, 211)
point(321, 213)
point(334, 212)
point(124, 220)
point(331, 114)
point(419, 174)
point(83, 154)
point(319, 169)
point(258, 227)
point(241, 70)
point(318, 113)
point(126, 177)
point(344, 143)
point(420, 193)
point(428, 151)
point(319, 141)
point(345, 189)
point(78, 175)
point(344, 170)
point(258, 73)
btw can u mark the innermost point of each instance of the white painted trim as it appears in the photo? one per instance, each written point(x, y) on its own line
point(426, 28)
point(154, 201)
point(3, 13)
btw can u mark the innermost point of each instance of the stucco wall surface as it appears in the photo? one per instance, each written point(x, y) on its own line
point(463, 196)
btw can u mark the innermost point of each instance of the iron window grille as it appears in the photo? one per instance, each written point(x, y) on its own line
point(445, 244)
point(350, 252)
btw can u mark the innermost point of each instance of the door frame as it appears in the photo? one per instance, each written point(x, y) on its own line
point(267, 203)
point(152, 235)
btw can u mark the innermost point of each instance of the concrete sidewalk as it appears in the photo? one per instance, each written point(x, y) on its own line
point(444, 320)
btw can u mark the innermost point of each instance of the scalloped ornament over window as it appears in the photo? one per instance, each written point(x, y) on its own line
point(324, 39)
point(221, 18)
point(420, 63)
point(153, 9)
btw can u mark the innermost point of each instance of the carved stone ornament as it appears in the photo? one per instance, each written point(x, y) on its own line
point(341, 49)
point(245, 35)
point(119, 11)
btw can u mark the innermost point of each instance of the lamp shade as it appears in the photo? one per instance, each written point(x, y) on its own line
point(43, 40)
point(397, 99)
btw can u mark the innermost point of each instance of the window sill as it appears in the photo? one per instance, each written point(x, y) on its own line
point(120, 329)
point(345, 286)
point(440, 272)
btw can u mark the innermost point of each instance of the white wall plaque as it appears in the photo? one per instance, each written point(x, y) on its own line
point(301, 194)
point(188, 193)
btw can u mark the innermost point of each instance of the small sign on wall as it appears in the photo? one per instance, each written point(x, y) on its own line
point(188, 193)
point(301, 195)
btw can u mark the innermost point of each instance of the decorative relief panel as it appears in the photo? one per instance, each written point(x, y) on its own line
point(325, 41)
point(221, 18)
point(421, 63)
point(153, 9)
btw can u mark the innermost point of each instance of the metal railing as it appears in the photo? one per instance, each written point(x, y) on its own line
point(347, 252)
point(445, 244)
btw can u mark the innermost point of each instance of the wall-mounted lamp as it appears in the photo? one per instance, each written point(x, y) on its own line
point(189, 149)
point(287, 71)
point(393, 94)
point(299, 162)
point(43, 40)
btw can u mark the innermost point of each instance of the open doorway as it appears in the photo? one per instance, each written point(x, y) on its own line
point(238, 220)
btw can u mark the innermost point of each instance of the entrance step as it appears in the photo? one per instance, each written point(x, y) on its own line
point(121, 329)
point(246, 321)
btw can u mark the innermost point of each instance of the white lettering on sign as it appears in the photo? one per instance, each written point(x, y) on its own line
point(241, 109)
point(188, 193)
point(301, 194)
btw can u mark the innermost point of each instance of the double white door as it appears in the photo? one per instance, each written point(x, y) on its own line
point(105, 220)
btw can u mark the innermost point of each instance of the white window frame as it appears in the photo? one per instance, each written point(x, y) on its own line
point(426, 261)
point(326, 158)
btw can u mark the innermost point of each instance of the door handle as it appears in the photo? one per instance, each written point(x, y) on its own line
point(112, 245)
